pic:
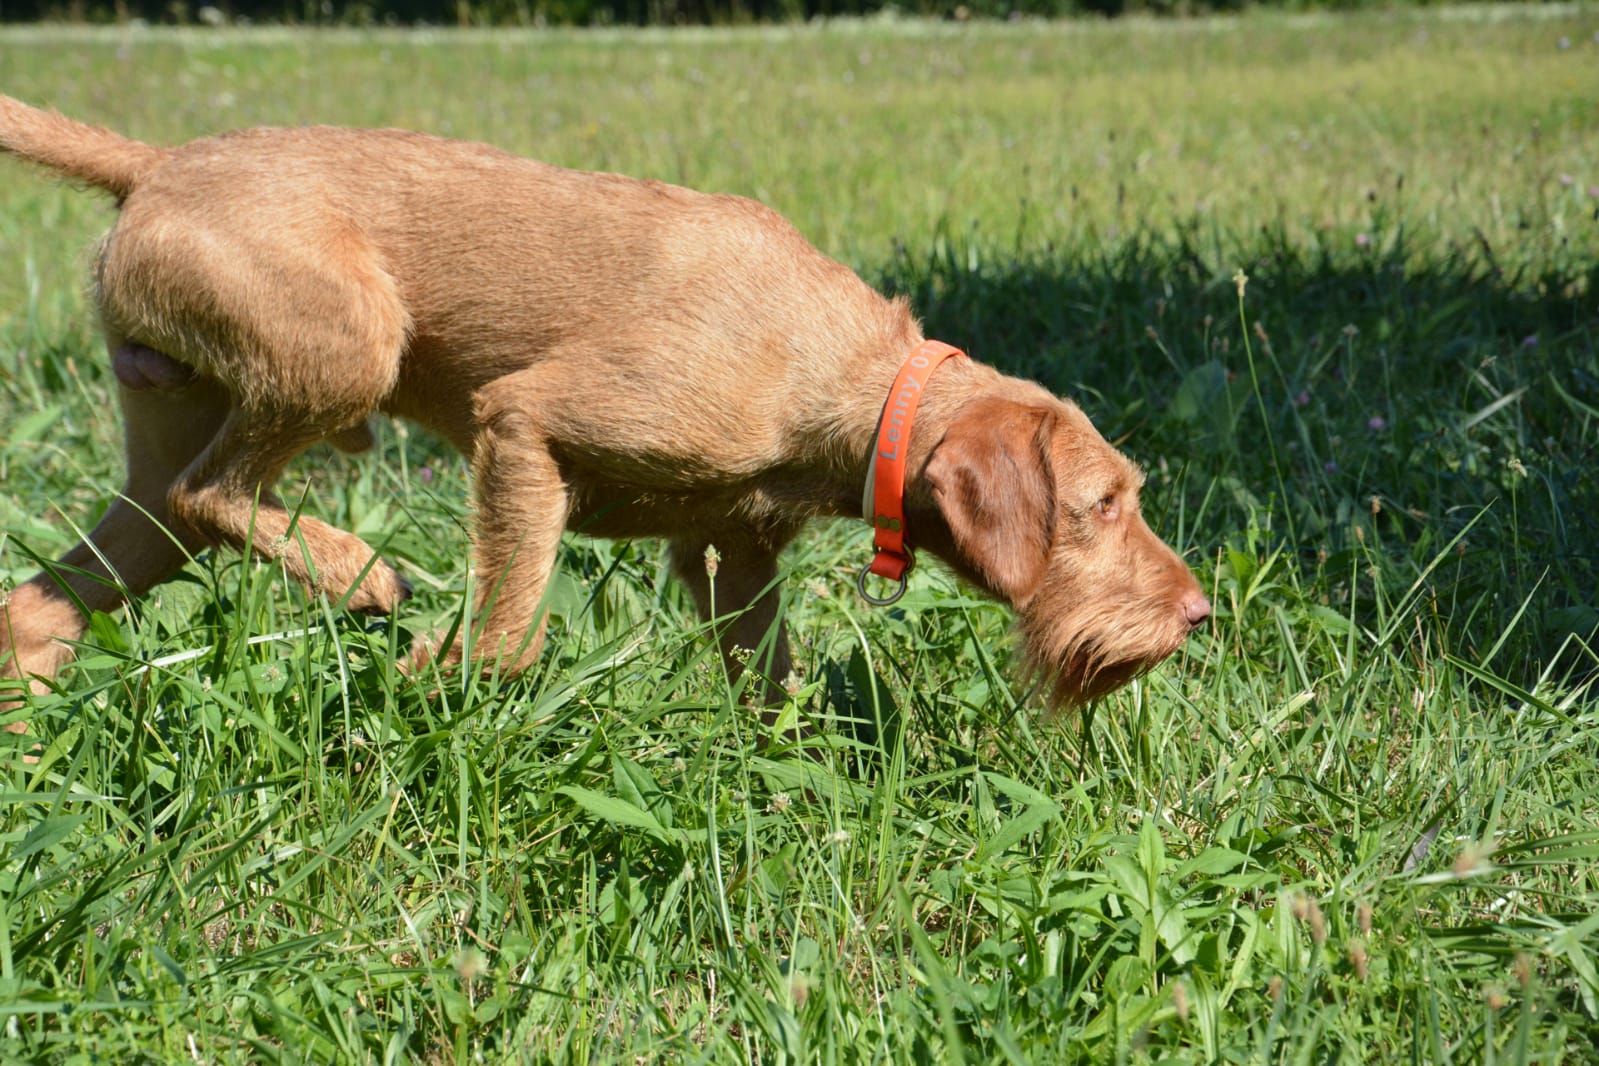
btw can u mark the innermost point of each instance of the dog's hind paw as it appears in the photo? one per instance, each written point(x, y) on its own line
point(380, 592)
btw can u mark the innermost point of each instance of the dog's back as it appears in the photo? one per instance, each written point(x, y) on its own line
point(285, 261)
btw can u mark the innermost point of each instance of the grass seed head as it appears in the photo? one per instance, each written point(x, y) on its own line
point(1307, 910)
point(1358, 959)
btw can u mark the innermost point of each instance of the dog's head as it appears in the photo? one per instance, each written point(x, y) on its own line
point(1044, 513)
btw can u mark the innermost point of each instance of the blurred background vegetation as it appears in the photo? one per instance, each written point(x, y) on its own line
point(616, 12)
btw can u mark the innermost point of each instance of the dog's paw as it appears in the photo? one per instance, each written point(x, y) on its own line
point(14, 693)
point(427, 657)
point(380, 592)
point(30, 653)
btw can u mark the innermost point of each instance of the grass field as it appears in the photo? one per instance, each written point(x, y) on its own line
point(1357, 820)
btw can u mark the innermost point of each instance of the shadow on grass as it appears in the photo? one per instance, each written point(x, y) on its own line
point(1382, 402)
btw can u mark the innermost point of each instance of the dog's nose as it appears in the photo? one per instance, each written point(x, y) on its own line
point(1196, 609)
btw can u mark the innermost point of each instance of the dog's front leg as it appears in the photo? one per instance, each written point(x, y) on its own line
point(737, 588)
point(522, 505)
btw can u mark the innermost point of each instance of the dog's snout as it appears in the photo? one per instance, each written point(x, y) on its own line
point(1196, 609)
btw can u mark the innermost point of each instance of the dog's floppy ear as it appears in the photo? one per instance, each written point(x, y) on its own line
point(991, 477)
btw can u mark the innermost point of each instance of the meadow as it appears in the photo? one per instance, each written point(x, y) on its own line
point(1334, 281)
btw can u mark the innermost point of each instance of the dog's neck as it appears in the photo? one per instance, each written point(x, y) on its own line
point(883, 496)
point(947, 393)
point(955, 383)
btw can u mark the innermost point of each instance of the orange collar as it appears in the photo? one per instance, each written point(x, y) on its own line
point(884, 502)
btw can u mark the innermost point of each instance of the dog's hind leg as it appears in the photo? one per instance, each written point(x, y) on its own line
point(300, 323)
point(135, 546)
point(226, 498)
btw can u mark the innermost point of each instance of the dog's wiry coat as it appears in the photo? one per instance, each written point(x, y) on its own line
point(616, 356)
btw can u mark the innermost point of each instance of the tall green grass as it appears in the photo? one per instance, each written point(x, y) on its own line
point(1352, 821)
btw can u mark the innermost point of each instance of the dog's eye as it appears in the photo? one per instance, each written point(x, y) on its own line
point(1107, 507)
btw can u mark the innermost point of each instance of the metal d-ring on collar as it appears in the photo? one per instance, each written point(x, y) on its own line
point(899, 589)
point(884, 500)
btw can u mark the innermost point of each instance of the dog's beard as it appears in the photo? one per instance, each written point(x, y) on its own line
point(1081, 657)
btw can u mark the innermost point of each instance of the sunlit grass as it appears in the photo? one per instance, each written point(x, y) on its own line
point(1352, 820)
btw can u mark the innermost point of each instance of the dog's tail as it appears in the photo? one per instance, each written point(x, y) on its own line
point(78, 150)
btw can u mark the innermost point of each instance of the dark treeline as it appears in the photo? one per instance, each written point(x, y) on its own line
point(596, 12)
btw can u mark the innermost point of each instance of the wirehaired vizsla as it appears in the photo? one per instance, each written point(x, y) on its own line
point(618, 356)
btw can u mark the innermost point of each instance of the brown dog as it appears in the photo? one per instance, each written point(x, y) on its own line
point(618, 356)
